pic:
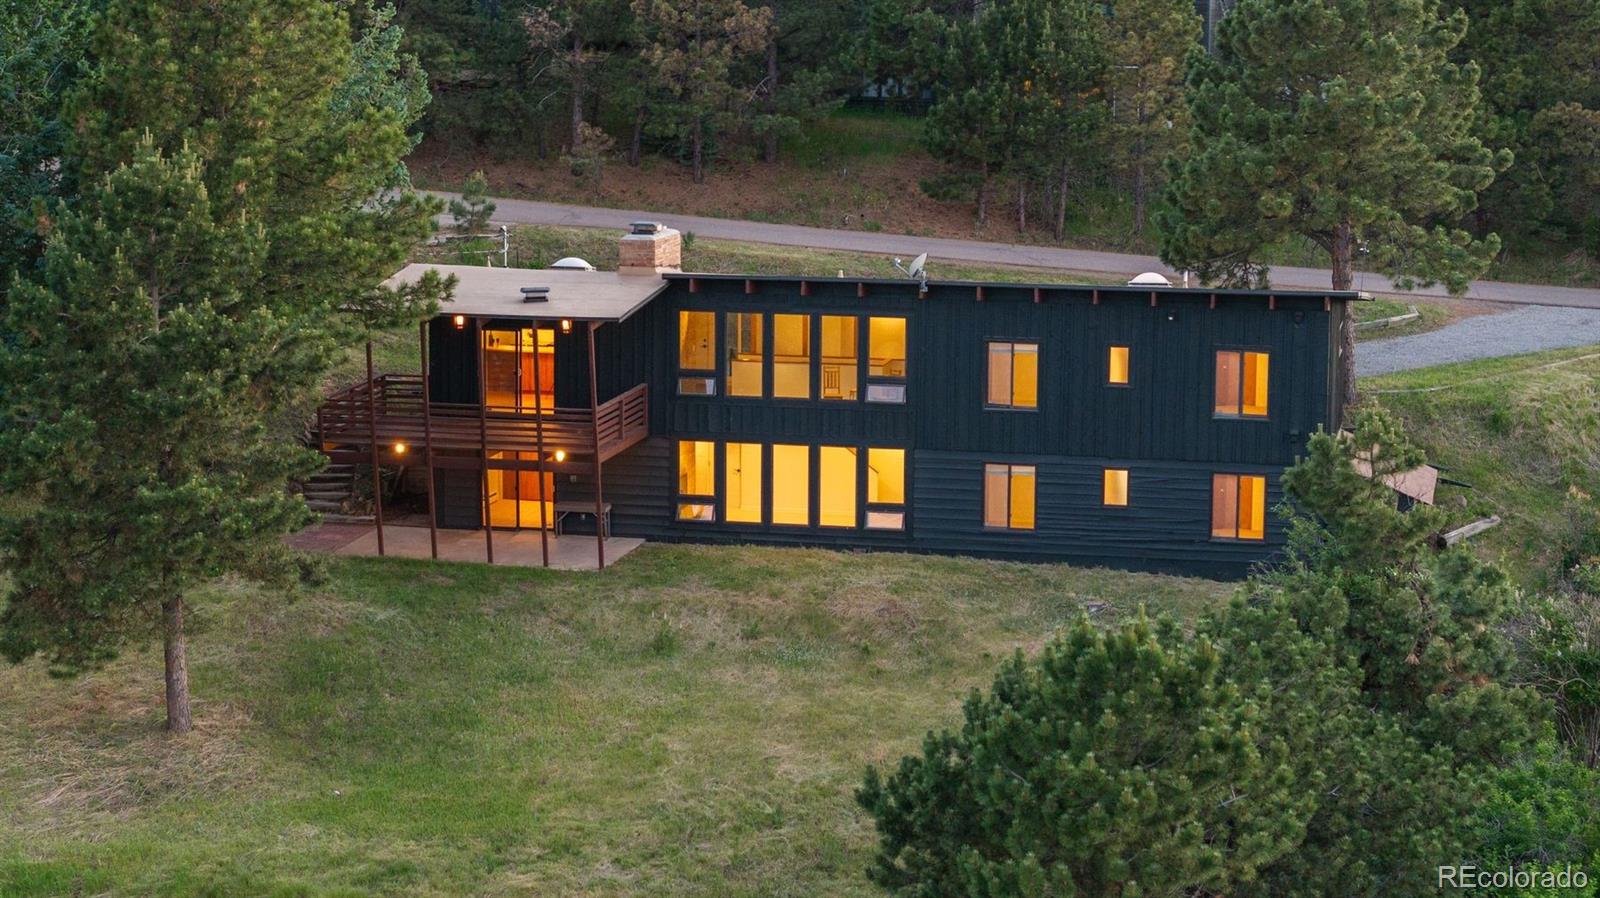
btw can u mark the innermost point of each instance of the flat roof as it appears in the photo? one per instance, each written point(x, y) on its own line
point(1137, 290)
point(484, 292)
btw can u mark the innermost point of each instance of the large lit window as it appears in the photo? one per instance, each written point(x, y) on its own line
point(886, 356)
point(1008, 496)
point(743, 499)
point(1114, 486)
point(746, 353)
point(1117, 366)
point(791, 356)
point(1241, 383)
point(886, 489)
point(1238, 506)
point(791, 485)
point(697, 480)
point(1013, 375)
point(836, 486)
point(697, 352)
point(841, 350)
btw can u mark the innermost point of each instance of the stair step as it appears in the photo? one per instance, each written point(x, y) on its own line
point(347, 519)
point(324, 505)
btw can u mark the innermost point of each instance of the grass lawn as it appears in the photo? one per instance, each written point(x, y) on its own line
point(1524, 431)
point(691, 722)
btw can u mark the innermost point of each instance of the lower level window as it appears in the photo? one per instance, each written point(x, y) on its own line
point(886, 489)
point(836, 486)
point(1115, 487)
point(1238, 506)
point(744, 483)
point(1008, 496)
point(791, 485)
point(697, 486)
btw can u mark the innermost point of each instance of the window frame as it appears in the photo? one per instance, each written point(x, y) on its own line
point(819, 364)
point(680, 498)
point(1127, 348)
point(1011, 475)
point(1127, 487)
point(988, 351)
point(725, 357)
point(813, 358)
point(1240, 414)
point(869, 507)
point(868, 379)
point(712, 375)
point(1238, 506)
point(769, 482)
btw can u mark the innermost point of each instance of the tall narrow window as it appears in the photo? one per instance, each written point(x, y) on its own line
point(886, 489)
point(1241, 384)
point(791, 485)
point(746, 353)
point(697, 353)
point(743, 499)
point(1238, 506)
point(1117, 366)
point(697, 484)
point(791, 356)
point(1008, 496)
point(1114, 487)
point(836, 486)
point(886, 356)
point(1013, 375)
point(841, 352)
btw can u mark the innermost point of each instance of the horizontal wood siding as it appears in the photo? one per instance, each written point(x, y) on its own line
point(458, 498)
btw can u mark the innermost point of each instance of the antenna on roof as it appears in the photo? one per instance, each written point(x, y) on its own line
point(917, 271)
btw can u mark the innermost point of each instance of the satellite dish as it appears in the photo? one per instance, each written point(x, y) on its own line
point(1150, 279)
point(572, 263)
point(918, 265)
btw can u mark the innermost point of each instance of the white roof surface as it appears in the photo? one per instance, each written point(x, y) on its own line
point(484, 292)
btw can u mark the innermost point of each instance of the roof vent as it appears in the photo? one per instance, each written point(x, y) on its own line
point(535, 294)
point(572, 263)
point(1150, 279)
point(645, 227)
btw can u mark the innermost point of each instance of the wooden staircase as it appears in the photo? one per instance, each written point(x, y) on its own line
point(328, 493)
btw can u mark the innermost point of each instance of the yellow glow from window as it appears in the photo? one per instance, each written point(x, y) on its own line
point(697, 511)
point(1116, 486)
point(746, 353)
point(697, 468)
point(886, 340)
point(697, 341)
point(791, 356)
point(1009, 492)
point(791, 485)
point(840, 357)
point(1117, 367)
point(836, 486)
point(1227, 383)
point(1255, 384)
point(743, 500)
point(1238, 506)
point(1013, 375)
point(886, 476)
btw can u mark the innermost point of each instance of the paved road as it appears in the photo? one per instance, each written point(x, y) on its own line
point(513, 211)
point(1481, 337)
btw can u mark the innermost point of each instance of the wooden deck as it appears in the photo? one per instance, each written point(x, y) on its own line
point(346, 427)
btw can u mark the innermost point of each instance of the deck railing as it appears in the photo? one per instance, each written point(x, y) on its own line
point(397, 417)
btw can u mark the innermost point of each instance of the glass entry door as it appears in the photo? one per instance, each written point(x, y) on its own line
point(513, 385)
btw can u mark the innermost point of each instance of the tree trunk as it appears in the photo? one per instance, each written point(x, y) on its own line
point(1139, 198)
point(699, 151)
point(1022, 207)
point(983, 196)
point(638, 137)
point(1061, 205)
point(769, 152)
point(1344, 245)
point(178, 717)
point(577, 91)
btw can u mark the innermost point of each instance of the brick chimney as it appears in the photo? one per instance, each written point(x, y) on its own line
point(650, 248)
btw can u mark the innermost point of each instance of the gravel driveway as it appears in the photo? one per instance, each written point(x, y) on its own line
point(1522, 330)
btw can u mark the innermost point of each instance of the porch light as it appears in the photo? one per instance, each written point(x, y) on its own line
point(561, 455)
point(399, 448)
point(460, 322)
point(566, 325)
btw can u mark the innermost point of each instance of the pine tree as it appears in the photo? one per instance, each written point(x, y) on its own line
point(231, 251)
point(472, 210)
point(1340, 121)
point(1146, 43)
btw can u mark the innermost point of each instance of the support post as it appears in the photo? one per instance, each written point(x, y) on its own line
point(594, 417)
point(427, 439)
point(483, 436)
point(538, 436)
point(372, 437)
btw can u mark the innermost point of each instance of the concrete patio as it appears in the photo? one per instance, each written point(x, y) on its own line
point(519, 548)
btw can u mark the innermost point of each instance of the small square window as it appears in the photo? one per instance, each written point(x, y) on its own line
point(1114, 488)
